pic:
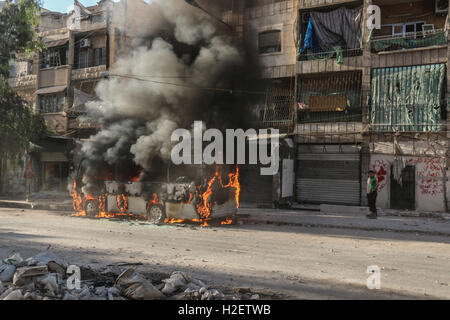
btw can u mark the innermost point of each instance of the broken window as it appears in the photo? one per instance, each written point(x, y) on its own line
point(99, 56)
point(51, 103)
point(54, 57)
point(269, 41)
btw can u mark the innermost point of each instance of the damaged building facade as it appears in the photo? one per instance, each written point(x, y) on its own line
point(358, 99)
point(81, 47)
point(348, 99)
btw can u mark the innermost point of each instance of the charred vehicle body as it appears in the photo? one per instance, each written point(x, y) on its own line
point(185, 199)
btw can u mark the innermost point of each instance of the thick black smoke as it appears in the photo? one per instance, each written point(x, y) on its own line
point(174, 75)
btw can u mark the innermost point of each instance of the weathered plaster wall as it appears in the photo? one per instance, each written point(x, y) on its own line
point(429, 191)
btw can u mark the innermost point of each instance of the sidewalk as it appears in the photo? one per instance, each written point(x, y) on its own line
point(41, 201)
point(419, 225)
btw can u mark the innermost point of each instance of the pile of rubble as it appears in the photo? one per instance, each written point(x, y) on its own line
point(47, 277)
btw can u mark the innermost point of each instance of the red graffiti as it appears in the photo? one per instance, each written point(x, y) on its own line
point(429, 175)
point(380, 168)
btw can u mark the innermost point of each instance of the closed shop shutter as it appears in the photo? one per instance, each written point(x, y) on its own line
point(328, 174)
point(255, 188)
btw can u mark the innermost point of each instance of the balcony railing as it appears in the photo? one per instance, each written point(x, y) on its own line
point(409, 41)
point(338, 54)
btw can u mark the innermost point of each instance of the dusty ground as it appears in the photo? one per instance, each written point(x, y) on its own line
point(275, 261)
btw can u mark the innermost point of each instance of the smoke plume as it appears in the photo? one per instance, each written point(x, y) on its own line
point(174, 73)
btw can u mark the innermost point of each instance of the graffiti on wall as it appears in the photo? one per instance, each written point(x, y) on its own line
point(429, 175)
point(380, 167)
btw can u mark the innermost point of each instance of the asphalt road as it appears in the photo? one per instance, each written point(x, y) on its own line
point(275, 261)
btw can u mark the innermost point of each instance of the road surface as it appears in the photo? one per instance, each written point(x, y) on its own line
point(276, 261)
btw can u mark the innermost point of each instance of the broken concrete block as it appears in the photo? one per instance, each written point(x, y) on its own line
point(43, 258)
point(29, 296)
point(85, 294)
point(134, 286)
point(56, 268)
point(23, 274)
point(7, 272)
point(69, 296)
point(176, 281)
point(101, 291)
point(14, 295)
point(216, 294)
point(193, 286)
point(50, 283)
point(15, 259)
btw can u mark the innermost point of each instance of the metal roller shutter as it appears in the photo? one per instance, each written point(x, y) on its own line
point(328, 174)
point(255, 188)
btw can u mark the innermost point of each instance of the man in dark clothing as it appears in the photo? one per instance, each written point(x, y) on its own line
point(372, 192)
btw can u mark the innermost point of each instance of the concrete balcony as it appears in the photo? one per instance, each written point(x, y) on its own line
point(306, 4)
point(53, 77)
point(329, 65)
point(330, 132)
point(88, 73)
point(414, 49)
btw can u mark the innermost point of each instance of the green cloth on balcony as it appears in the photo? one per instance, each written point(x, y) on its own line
point(403, 43)
point(337, 50)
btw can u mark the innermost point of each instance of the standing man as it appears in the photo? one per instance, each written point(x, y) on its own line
point(372, 192)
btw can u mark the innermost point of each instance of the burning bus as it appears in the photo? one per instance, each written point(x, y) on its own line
point(211, 194)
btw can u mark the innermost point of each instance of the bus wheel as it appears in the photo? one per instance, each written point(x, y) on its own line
point(91, 208)
point(155, 214)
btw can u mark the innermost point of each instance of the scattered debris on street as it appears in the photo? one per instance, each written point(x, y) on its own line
point(46, 277)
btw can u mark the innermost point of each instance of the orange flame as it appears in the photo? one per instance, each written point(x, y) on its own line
point(227, 222)
point(77, 198)
point(122, 203)
point(173, 220)
point(234, 183)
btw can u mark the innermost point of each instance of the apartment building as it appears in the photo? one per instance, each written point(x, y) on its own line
point(81, 47)
point(362, 98)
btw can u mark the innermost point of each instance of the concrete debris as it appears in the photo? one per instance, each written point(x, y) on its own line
point(7, 272)
point(45, 277)
point(23, 274)
point(134, 286)
point(176, 281)
point(203, 294)
point(43, 258)
point(15, 260)
point(14, 295)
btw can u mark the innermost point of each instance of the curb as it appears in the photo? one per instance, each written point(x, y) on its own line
point(333, 226)
point(36, 206)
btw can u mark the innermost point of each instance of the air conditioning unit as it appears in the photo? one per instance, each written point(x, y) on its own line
point(85, 43)
point(441, 6)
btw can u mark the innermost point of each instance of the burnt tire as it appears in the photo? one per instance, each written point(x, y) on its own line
point(155, 214)
point(91, 208)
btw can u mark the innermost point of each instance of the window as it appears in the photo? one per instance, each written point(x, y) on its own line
point(97, 18)
point(54, 57)
point(405, 29)
point(99, 54)
point(269, 41)
point(83, 58)
point(12, 69)
point(51, 103)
